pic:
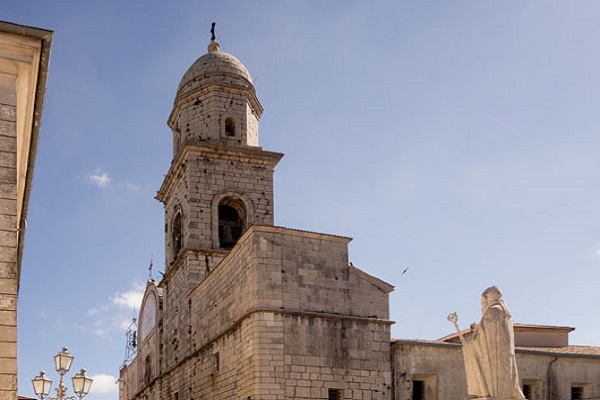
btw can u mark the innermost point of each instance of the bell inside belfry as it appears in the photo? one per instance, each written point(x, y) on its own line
point(230, 226)
point(227, 237)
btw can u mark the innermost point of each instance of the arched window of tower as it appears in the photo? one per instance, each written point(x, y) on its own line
point(147, 370)
point(229, 127)
point(232, 215)
point(176, 234)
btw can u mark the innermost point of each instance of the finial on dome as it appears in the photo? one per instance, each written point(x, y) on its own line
point(213, 45)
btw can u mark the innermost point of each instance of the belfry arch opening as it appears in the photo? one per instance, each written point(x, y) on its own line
point(232, 217)
point(177, 234)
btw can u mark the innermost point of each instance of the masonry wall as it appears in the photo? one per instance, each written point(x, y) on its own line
point(549, 374)
point(203, 118)
point(323, 353)
point(207, 177)
point(567, 372)
point(8, 239)
point(441, 367)
point(280, 317)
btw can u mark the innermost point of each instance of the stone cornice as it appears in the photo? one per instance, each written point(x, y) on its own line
point(255, 156)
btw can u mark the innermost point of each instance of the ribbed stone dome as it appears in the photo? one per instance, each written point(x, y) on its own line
point(215, 67)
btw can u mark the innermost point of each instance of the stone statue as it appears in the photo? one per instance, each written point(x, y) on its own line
point(489, 352)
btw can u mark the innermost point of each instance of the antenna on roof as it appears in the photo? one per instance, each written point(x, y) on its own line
point(150, 270)
point(131, 346)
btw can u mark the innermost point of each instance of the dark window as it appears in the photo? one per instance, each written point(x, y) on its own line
point(229, 126)
point(217, 361)
point(177, 235)
point(334, 394)
point(527, 390)
point(147, 371)
point(418, 390)
point(230, 226)
point(576, 392)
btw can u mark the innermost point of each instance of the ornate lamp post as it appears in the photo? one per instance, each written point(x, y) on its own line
point(62, 363)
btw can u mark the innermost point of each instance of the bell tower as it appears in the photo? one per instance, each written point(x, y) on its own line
point(220, 181)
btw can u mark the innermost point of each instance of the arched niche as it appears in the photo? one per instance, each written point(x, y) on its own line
point(231, 213)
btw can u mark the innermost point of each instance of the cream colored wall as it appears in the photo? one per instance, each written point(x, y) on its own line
point(21, 94)
point(551, 375)
point(9, 273)
point(283, 315)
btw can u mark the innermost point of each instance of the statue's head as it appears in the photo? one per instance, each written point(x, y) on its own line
point(491, 294)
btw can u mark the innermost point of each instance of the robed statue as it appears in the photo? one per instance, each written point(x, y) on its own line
point(489, 352)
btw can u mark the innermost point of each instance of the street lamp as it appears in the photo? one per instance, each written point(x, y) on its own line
point(62, 363)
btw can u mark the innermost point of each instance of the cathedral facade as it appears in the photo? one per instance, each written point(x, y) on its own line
point(248, 310)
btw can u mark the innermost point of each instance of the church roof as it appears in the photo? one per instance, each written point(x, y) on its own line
point(454, 337)
point(571, 350)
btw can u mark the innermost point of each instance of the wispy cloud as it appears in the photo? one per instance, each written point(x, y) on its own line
point(131, 299)
point(115, 316)
point(104, 384)
point(100, 179)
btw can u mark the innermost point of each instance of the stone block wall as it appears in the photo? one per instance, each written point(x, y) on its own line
point(210, 174)
point(203, 118)
point(550, 374)
point(323, 353)
point(9, 274)
point(440, 367)
point(279, 317)
point(309, 272)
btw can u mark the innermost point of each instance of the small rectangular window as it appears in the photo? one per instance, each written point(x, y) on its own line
point(527, 391)
point(424, 387)
point(334, 394)
point(418, 390)
point(576, 392)
point(217, 361)
point(533, 389)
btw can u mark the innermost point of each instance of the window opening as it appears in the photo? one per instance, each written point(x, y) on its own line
point(229, 127)
point(334, 394)
point(527, 391)
point(147, 371)
point(418, 390)
point(177, 235)
point(217, 361)
point(576, 392)
point(230, 226)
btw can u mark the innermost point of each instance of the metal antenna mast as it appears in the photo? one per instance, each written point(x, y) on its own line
point(132, 339)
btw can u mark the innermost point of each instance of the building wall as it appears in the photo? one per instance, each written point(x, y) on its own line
point(549, 374)
point(24, 56)
point(440, 367)
point(9, 272)
point(203, 176)
point(282, 316)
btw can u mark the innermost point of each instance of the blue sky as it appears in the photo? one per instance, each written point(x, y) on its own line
point(459, 139)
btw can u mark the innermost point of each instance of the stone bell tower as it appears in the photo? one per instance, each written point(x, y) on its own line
point(220, 181)
point(248, 310)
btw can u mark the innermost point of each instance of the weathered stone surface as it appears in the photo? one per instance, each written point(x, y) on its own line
point(489, 353)
point(281, 314)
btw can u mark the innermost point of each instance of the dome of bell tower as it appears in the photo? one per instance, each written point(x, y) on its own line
point(216, 66)
point(215, 102)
